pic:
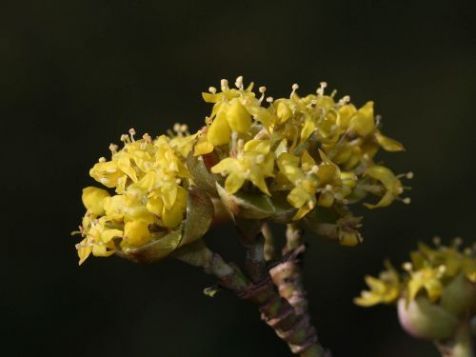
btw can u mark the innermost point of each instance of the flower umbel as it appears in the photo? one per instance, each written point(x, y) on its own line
point(151, 190)
point(436, 290)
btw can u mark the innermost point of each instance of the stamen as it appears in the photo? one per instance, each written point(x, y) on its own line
point(262, 90)
point(344, 100)
point(378, 120)
point(457, 242)
point(437, 241)
point(320, 90)
point(294, 88)
point(132, 132)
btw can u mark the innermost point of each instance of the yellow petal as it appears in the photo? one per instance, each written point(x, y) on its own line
point(283, 112)
point(387, 143)
point(155, 205)
point(226, 165)
point(301, 212)
point(93, 199)
point(326, 199)
point(84, 251)
point(308, 128)
point(202, 148)
point(258, 180)
point(257, 146)
point(136, 233)
point(100, 250)
point(345, 114)
point(172, 217)
point(109, 234)
point(238, 117)
point(234, 182)
point(106, 173)
point(298, 197)
point(219, 131)
point(363, 122)
point(307, 161)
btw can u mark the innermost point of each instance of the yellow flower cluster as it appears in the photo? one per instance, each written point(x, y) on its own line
point(293, 155)
point(150, 181)
point(318, 150)
point(432, 273)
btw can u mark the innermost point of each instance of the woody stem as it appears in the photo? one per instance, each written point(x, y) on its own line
point(275, 311)
point(287, 275)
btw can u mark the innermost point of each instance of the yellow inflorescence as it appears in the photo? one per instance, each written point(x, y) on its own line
point(313, 151)
point(150, 181)
point(317, 148)
point(430, 272)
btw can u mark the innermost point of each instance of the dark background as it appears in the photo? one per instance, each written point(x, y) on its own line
point(76, 74)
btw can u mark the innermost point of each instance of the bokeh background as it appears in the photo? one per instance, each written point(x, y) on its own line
point(76, 74)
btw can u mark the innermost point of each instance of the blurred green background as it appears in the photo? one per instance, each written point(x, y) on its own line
point(76, 74)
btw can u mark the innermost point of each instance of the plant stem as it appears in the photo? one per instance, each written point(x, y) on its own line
point(287, 275)
point(275, 311)
point(459, 346)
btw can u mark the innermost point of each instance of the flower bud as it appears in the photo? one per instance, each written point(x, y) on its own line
point(422, 319)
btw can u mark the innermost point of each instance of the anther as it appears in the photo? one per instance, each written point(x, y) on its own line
point(224, 85)
point(239, 82)
point(212, 90)
point(113, 148)
point(344, 100)
point(407, 266)
point(270, 99)
point(102, 159)
point(437, 241)
point(441, 269)
point(183, 128)
point(147, 138)
point(407, 200)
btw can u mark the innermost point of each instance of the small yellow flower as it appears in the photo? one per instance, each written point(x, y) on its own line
point(363, 121)
point(391, 184)
point(384, 290)
point(427, 279)
point(253, 163)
